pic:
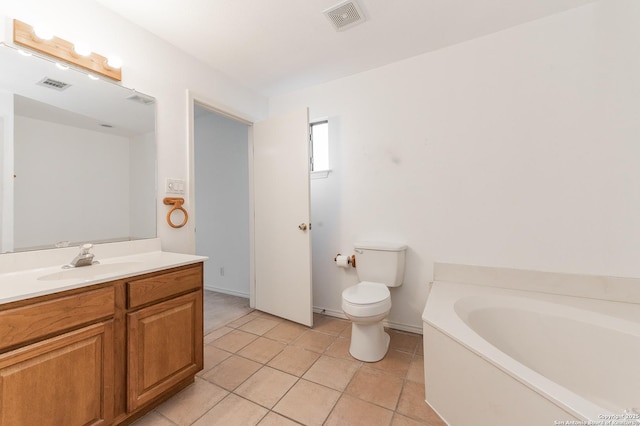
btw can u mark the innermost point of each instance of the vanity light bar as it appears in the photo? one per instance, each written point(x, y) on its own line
point(24, 35)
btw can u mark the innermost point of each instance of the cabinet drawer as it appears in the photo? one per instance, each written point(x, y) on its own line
point(147, 290)
point(32, 322)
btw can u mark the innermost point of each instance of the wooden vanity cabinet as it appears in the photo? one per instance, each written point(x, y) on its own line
point(165, 326)
point(64, 374)
point(102, 355)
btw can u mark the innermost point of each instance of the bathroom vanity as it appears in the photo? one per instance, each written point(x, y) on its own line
point(101, 350)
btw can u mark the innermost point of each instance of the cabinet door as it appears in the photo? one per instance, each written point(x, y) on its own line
point(65, 380)
point(165, 347)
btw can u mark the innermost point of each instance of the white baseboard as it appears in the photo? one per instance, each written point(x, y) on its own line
point(329, 312)
point(395, 325)
point(226, 291)
point(403, 327)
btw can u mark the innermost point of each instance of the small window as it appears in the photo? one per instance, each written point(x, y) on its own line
point(319, 139)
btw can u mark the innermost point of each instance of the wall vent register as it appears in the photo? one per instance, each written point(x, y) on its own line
point(53, 84)
point(142, 99)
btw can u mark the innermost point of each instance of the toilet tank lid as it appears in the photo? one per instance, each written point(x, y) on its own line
point(384, 246)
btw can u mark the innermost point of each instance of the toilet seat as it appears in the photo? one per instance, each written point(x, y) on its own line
point(366, 293)
point(366, 299)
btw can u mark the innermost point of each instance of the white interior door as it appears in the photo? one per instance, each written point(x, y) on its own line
point(282, 244)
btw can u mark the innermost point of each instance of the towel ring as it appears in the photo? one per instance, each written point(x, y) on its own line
point(177, 205)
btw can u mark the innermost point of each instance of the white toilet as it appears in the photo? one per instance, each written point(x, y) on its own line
point(366, 304)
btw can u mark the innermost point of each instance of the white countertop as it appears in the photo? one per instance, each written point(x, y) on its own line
point(26, 283)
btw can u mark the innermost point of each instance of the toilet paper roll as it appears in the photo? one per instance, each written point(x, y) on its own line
point(342, 261)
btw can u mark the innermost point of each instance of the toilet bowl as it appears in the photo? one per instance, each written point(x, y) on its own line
point(366, 304)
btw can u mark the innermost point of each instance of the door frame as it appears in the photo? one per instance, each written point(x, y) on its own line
point(224, 110)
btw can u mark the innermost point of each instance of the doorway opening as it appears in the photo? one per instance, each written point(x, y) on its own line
point(264, 231)
point(221, 183)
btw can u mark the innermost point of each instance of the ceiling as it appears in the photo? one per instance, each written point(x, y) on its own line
point(277, 46)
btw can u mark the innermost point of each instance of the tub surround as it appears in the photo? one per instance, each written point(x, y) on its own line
point(494, 340)
point(616, 289)
point(30, 274)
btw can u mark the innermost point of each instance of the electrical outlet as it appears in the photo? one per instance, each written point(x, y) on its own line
point(175, 186)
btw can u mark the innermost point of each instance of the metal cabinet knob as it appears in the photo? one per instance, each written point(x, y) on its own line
point(302, 227)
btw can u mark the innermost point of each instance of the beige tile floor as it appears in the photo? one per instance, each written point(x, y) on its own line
point(263, 370)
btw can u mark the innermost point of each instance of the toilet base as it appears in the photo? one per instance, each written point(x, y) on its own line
point(369, 342)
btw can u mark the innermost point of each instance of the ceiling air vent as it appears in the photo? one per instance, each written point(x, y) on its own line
point(345, 15)
point(142, 99)
point(53, 84)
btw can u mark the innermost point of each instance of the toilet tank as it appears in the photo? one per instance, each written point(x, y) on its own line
point(380, 262)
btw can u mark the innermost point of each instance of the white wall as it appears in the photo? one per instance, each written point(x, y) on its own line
point(519, 149)
point(85, 192)
point(222, 201)
point(516, 149)
point(151, 66)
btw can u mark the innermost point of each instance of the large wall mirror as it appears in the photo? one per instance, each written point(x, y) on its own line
point(77, 157)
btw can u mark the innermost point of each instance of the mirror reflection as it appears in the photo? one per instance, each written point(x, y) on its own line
point(78, 157)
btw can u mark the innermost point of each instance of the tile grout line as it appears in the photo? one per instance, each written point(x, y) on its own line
point(290, 343)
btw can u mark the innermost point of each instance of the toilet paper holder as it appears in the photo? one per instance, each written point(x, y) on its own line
point(351, 260)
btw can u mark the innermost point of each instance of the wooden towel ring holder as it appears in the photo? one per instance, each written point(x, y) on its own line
point(177, 205)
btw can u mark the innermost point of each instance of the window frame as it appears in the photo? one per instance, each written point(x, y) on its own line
point(315, 174)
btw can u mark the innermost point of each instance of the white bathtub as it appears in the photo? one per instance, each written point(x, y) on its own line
point(499, 356)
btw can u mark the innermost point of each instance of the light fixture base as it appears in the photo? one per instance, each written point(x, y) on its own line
point(63, 50)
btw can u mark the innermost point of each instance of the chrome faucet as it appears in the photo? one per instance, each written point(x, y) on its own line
point(84, 258)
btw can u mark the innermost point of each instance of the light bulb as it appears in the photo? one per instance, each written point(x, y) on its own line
point(43, 33)
point(62, 66)
point(114, 62)
point(93, 77)
point(82, 49)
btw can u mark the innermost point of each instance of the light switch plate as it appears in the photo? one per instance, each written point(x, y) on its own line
point(175, 186)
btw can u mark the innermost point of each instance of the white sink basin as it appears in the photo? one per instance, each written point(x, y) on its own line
point(88, 272)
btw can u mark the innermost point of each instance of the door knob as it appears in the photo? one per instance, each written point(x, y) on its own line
point(302, 227)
